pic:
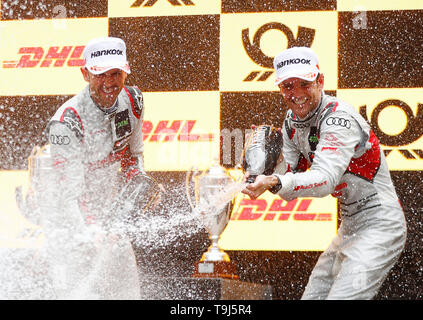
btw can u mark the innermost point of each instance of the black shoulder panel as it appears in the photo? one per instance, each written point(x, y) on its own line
point(72, 120)
point(138, 102)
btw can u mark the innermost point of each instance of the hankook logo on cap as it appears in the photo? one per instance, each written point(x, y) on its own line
point(100, 53)
point(293, 61)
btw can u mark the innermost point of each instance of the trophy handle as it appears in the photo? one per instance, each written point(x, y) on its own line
point(19, 199)
point(188, 178)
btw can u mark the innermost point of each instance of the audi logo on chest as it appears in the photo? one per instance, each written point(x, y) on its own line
point(59, 140)
point(335, 121)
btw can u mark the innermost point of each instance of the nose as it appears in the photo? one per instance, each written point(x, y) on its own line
point(297, 91)
point(293, 92)
point(109, 80)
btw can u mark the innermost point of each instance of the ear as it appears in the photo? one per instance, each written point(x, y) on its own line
point(125, 75)
point(85, 74)
point(321, 81)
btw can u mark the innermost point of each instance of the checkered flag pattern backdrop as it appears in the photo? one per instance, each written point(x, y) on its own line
point(205, 69)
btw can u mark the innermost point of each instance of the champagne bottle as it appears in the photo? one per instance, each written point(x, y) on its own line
point(262, 151)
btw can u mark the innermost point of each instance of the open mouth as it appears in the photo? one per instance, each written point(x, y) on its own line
point(109, 91)
point(300, 101)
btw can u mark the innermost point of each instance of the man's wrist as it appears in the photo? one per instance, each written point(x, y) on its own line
point(276, 184)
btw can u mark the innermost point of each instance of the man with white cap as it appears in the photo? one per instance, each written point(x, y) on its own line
point(96, 145)
point(328, 148)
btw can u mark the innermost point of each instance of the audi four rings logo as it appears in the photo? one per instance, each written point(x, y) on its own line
point(59, 140)
point(334, 121)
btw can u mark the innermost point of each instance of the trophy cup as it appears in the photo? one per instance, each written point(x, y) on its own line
point(262, 151)
point(215, 209)
point(40, 172)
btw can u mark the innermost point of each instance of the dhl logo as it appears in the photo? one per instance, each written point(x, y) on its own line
point(37, 56)
point(278, 210)
point(177, 130)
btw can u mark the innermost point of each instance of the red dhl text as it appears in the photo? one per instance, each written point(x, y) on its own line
point(278, 210)
point(176, 130)
point(39, 57)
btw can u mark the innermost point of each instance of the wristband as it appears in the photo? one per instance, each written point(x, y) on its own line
point(275, 189)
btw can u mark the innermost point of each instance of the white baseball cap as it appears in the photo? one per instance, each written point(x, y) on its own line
point(296, 62)
point(104, 54)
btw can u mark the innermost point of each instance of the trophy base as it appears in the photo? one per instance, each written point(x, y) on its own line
point(215, 269)
point(188, 288)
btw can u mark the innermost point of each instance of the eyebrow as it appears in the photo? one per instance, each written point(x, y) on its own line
point(302, 82)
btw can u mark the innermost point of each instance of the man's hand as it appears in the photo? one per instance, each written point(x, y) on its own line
point(260, 185)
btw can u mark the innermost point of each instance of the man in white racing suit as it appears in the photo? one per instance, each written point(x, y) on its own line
point(328, 148)
point(96, 145)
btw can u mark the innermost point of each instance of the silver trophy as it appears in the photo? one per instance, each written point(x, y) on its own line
point(136, 197)
point(214, 203)
point(40, 175)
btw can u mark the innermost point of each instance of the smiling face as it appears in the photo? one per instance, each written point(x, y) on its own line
point(105, 87)
point(302, 96)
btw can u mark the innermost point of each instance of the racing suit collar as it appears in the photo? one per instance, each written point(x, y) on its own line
point(109, 111)
point(106, 111)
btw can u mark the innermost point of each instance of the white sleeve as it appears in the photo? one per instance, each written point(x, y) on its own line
point(333, 154)
point(66, 152)
point(291, 154)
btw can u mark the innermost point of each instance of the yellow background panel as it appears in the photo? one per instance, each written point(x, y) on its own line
point(392, 120)
point(44, 34)
point(367, 5)
point(236, 65)
point(15, 230)
point(202, 110)
point(134, 8)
